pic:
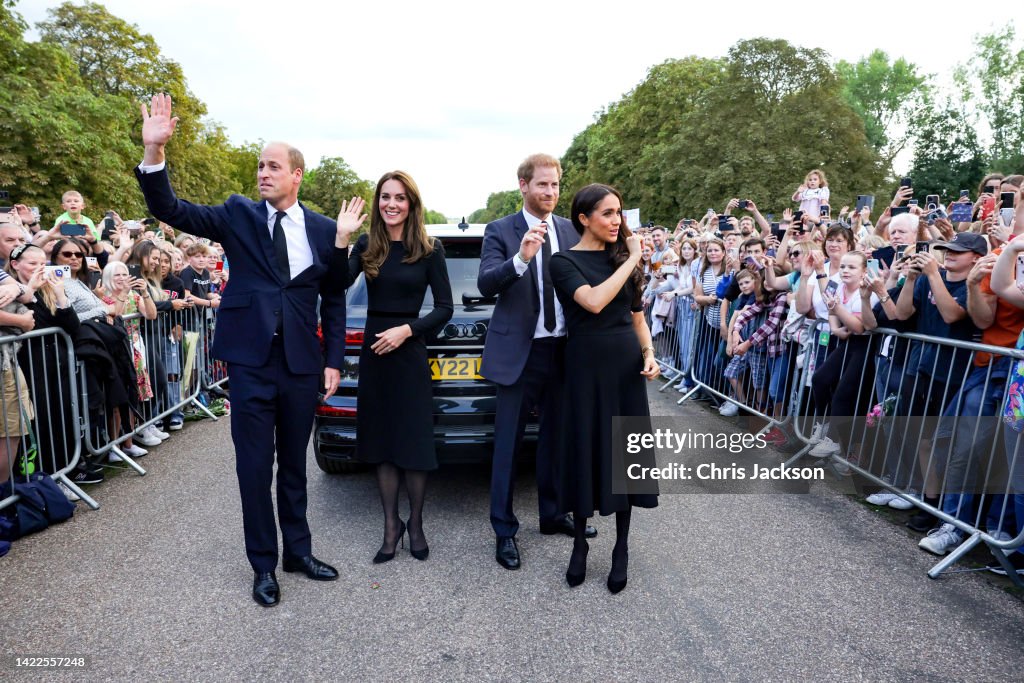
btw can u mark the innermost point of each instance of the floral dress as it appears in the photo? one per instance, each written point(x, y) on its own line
point(138, 346)
point(1013, 410)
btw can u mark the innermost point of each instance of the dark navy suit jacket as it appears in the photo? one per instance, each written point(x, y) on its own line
point(257, 296)
point(510, 333)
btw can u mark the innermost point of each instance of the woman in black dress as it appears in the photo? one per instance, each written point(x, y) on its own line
point(395, 427)
point(607, 357)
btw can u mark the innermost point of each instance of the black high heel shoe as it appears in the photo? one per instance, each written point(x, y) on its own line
point(421, 554)
point(618, 577)
point(381, 556)
point(577, 561)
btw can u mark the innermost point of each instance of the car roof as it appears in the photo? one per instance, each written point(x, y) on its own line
point(453, 230)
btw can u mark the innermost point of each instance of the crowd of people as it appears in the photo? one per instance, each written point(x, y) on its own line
point(127, 294)
point(748, 306)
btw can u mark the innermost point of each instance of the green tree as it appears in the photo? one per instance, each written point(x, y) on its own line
point(332, 182)
point(993, 79)
point(777, 114)
point(434, 217)
point(947, 155)
point(498, 204)
point(888, 96)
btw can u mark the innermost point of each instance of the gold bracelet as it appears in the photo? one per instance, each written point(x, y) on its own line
point(644, 350)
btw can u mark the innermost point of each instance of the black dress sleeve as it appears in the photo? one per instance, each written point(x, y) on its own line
point(441, 288)
point(637, 299)
point(354, 266)
point(566, 275)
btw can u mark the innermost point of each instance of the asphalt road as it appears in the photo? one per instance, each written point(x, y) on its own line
point(155, 586)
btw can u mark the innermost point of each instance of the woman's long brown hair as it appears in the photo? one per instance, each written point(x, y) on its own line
point(418, 244)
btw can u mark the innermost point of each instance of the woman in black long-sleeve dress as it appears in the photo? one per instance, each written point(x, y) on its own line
point(607, 357)
point(395, 428)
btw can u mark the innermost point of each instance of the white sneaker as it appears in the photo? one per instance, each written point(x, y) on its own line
point(819, 431)
point(898, 503)
point(176, 425)
point(134, 451)
point(940, 541)
point(154, 431)
point(729, 409)
point(146, 439)
point(880, 498)
point(68, 493)
point(825, 448)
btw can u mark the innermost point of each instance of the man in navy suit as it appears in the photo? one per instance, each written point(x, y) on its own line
point(525, 349)
point(266, 332)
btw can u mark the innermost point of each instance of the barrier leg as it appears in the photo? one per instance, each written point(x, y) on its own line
point(116, 450)
point(196, 402)
point(74, 488)
point(953, 557)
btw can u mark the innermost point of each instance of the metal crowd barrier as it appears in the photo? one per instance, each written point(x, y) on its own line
point(762, 384)
point(174, 340)
point(934, 429)
point(39, 409)
point(923, 433)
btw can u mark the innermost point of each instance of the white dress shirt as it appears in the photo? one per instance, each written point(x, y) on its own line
point(300, 254)
point(521, 266)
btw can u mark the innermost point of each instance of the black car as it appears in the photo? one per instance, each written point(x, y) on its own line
point(464, 402)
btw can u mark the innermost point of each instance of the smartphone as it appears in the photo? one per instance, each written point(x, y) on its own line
point(873, 267)
point(884, 255)
point(906, 182)
point(921, 247)
point(732, 253)
point(743, 203)
point(219, 266)
point(825, 210)
point(687, 221)
point(723, 224)
point(72, 229)
point(1020, 269)
point(863, 200)
point(959, 212)
point(831, 288)
point(798, 216)
point(900, 250)
point(897, 210)
point(1006, 215)
point(771, 252)
point(665, 270)
point(91, 261)
point(751, 262)
point(988, 205)
point(913, 202)
point(931, 199)
point(59, 272)
point(135, 272)
point(777, 232)
point(108, 221)
point(1007, 199)
point(991, 189)
point(769, 217)
point(965, 194)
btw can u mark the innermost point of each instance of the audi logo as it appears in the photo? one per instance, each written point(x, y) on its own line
point(464, 330)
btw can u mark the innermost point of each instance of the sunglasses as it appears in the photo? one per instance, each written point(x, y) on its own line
point(795, 253)
point(71, 254)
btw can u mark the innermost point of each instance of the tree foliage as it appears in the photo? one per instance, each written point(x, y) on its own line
point(70, 119)
point(498, 204)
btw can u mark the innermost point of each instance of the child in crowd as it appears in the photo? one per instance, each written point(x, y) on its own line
point(813, 193)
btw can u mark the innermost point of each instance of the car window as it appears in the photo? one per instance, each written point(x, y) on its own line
point(462, 256)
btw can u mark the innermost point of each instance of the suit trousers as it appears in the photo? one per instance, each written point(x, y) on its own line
point(271, 405)
point(539, 386)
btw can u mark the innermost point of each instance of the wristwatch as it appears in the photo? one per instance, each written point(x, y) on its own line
point(884, 299)
point(822, 276)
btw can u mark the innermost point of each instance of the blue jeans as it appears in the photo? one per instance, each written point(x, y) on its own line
point(969, 424)
point(685, 318)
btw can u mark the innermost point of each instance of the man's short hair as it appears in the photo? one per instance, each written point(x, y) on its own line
point(295, 158)
point(198, 249)
point(658, 227)
point(530, 164)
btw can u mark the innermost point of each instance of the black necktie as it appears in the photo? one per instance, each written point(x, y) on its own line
point(549, 289)
point(281, 248)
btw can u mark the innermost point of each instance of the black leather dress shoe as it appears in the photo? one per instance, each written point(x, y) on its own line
point(311, 567)
point(564, 525)
point(507, 552)
point(265, 590)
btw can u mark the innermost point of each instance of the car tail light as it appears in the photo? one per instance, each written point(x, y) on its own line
point(335, 411)
point(353, 337)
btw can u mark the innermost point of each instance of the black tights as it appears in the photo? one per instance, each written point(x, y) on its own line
point(389, 481)
point(620, 553)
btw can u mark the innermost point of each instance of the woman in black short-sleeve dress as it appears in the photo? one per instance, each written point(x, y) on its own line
point(394, 422)
point(607, 358)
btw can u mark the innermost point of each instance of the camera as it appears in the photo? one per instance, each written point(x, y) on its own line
point(743, 203)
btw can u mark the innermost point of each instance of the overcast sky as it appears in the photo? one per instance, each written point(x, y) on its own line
point(457, 92)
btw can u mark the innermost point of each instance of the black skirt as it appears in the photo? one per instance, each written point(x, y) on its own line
point(395, 422)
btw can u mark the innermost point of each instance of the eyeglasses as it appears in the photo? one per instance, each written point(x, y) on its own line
point(795, 253)
point(71, 254)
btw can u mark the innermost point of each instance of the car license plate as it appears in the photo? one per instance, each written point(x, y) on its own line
point(455, 368)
